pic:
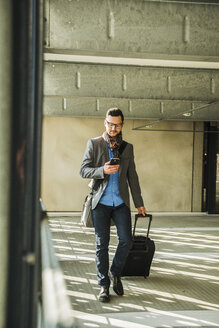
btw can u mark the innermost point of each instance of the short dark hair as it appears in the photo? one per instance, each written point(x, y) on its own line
point(115, 112)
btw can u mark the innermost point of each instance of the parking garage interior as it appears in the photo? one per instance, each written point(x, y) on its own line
point(62, 65)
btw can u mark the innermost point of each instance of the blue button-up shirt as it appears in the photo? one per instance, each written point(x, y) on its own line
point(111, 196)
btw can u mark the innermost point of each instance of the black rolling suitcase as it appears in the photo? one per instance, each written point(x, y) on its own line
point(141, 254)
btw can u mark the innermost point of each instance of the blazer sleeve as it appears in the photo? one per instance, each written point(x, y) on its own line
point(133, 181)
point(88, 168)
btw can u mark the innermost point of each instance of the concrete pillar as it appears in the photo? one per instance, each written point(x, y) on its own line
point(198, 137)
point(5, 131)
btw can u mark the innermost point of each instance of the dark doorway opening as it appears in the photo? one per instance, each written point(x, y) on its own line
point(211, 169)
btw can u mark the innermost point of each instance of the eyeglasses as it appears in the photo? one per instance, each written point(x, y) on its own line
point(117, 126)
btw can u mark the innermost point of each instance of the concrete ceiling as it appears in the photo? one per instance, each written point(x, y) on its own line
point(156, 60)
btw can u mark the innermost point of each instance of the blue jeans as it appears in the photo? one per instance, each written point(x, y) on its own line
point(101, 216)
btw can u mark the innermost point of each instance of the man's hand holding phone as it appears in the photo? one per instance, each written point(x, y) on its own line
point(114, 161)
point(112, 166)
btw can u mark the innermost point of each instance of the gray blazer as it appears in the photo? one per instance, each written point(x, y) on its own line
point(95, 156)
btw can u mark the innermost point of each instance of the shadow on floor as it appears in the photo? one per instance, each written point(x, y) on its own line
point(181, 291)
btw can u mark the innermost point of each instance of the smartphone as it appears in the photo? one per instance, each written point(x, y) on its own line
point(114, 161)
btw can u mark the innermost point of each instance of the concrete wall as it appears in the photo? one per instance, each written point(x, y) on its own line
point(169, 164)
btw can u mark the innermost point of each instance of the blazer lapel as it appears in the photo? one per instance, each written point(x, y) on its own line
point(105, 150)
point(120, 167)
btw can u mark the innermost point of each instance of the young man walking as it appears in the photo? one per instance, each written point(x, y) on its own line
point(111, 198)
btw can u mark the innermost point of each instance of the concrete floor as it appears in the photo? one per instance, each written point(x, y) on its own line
point(181, 291)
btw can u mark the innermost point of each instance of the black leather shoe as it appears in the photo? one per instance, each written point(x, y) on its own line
point(104, 294)
point(117, 285)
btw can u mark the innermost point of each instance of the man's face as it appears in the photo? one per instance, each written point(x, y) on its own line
point(113, 125)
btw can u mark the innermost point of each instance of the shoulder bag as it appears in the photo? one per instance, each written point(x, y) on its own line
point(86, 215)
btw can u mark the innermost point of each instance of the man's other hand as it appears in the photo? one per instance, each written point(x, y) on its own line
point(142, 210)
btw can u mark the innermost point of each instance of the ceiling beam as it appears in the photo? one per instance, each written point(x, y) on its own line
point(129, 61)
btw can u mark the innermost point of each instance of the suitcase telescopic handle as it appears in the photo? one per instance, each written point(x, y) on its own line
point(137, 216)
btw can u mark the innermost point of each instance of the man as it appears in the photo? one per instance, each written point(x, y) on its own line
point(111, 198)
